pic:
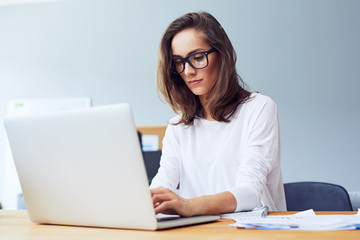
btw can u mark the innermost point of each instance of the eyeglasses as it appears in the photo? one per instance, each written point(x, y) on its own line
point(196, 60)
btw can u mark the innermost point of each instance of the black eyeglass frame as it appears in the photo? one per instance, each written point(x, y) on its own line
point(186, 59)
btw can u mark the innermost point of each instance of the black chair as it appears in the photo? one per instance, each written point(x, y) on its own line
point(318, 196)
point(152, 163)
point(151, 159)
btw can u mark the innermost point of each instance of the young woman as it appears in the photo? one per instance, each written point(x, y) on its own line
point(223, 149)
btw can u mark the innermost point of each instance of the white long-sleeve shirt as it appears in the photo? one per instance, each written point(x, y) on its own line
point(242, 157)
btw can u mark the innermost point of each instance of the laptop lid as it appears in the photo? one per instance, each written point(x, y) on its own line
point(82, 167)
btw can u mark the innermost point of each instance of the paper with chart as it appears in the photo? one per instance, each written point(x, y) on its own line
point(306, 220)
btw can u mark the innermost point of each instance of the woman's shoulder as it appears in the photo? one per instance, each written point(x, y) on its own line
point(257, 98)
point(256, 104)
point(174, 125)
point(174, 120)
point(175, 129)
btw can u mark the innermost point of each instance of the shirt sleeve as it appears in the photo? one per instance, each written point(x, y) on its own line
point(168, 174)
point(260, 153)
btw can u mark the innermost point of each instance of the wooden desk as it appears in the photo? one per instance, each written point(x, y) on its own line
point(15, 224)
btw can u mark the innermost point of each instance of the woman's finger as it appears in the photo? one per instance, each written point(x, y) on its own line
point(160, 197)
point(166, 207)
point(159, 190)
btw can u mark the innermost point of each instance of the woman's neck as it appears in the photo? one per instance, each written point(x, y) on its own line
point(204, 103)
point(209, 117)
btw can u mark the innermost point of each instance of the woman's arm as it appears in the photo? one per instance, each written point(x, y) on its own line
point(260, 155)
point(168, 174)
point(168, 202)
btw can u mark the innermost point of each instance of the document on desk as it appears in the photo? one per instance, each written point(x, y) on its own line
point(306, 220)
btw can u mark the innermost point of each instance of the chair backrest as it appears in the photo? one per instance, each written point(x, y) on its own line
point(318, 196)
point(152, 163)
point(151, 159)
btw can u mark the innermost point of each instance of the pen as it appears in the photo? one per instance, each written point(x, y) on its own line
point(265, 211)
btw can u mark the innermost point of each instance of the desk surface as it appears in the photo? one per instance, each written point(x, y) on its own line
point(15, 224)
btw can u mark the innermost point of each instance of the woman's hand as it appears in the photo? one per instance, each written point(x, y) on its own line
point(167, 202)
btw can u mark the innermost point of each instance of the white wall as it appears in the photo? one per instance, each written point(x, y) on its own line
point(305, 54)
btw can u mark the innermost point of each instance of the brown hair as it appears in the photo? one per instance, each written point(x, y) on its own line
point(228, 91)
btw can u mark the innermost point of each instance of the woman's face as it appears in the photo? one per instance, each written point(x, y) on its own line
point(199, 81)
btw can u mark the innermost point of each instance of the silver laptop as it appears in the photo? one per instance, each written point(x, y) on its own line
point(85, 168)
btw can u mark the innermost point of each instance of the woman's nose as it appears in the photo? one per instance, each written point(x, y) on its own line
point(188, 69)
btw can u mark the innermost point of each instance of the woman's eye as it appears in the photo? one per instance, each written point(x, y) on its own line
point(199, 57)
point(178, 61)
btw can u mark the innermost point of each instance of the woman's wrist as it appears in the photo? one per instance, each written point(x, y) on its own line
point(213, 204)
point(198, 205)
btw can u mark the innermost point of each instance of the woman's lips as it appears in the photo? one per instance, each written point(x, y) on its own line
point(194, 82)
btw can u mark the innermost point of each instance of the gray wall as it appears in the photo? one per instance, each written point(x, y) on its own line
point(305, 54)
